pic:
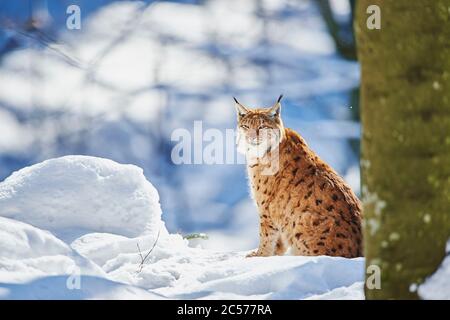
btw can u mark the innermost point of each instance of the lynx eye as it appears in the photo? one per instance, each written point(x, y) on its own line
point(263, 127)
point(244, 127)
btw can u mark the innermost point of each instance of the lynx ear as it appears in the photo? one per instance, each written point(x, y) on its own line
point(275, 110)
point(241, 110)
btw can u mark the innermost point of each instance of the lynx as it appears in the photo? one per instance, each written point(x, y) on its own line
point(304, 204)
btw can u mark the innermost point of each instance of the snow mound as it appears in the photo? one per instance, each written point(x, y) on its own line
point(83, 193)
point(21, 240)
point(27, 253)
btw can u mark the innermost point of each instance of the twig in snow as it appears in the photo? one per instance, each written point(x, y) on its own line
point(143, 259)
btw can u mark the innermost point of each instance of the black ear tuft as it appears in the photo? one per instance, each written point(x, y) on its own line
point(279, 99)
point(240, 108)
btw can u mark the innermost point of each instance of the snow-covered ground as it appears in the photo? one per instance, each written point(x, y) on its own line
point(79, 227)
point(437, 286)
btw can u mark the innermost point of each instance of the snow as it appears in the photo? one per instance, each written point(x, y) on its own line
point(67, 192)
point(114, 211)
point(27, 253)
point(54, 288)
point(437, 286)
point(20, 239)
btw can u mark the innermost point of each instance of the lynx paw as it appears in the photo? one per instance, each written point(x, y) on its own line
point(253, 254)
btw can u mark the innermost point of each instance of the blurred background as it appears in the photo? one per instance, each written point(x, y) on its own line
point(137, 70)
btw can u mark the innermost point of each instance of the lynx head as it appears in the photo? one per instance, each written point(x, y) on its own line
point(259, 130)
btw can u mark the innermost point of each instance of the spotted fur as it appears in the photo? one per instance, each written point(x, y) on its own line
point(305, 205)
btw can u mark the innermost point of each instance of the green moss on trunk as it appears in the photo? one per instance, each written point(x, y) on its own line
point(405, 160)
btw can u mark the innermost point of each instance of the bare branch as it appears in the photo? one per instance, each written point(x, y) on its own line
point(143, 259)
point(46, 41)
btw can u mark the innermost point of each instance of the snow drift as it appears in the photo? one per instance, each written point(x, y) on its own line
point(28, 253)
point(94, 220)
point(80, 192)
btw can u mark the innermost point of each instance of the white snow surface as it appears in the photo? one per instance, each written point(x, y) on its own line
point(437, 286)
point(89, 221)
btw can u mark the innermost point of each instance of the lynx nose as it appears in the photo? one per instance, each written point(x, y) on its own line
point(252, 137)
point(252, 134)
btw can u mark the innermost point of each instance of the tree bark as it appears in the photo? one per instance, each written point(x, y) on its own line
point(405, 149)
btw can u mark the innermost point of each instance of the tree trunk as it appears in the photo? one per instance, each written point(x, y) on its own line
point(405, 160)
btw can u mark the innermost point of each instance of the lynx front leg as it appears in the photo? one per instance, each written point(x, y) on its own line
point(268, 237)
